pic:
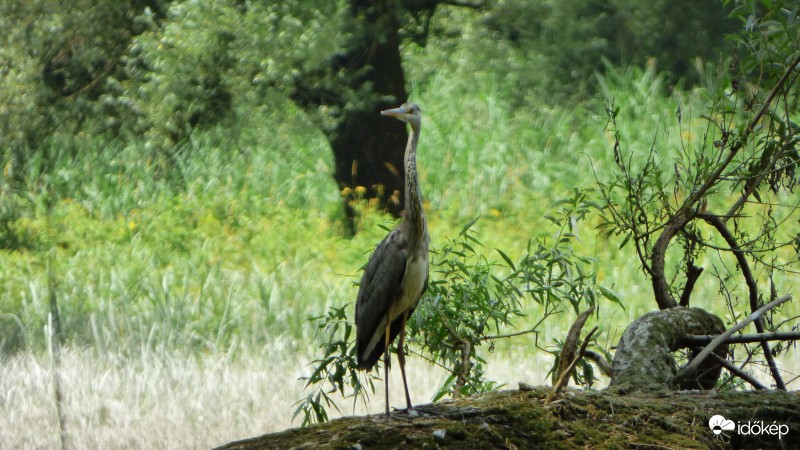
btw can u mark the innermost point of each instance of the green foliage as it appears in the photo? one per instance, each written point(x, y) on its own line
point(466, 302)
point(56, 59)
point(566, 42)
point(721, 180)
point(470, 301)
point(212, 58)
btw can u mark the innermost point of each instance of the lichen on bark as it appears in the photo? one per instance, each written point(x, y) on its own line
point(644, 358)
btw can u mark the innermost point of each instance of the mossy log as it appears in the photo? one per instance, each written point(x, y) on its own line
point(518, 419)
point(644, 361)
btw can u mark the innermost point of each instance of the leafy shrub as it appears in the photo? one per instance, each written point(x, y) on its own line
point(469, 304)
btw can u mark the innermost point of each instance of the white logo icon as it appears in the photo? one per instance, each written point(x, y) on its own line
point(718, 424)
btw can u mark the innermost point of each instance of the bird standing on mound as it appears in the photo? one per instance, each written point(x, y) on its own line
point(396, 275)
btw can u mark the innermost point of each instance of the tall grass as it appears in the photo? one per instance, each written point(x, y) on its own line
point(169, 284)
point(246, 242)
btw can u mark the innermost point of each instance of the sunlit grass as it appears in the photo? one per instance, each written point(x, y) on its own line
point(203, 281)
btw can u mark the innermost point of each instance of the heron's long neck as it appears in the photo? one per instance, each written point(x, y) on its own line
point(413, 200)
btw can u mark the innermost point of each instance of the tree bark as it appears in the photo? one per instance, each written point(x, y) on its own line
point(367, 148)
point(644, 360)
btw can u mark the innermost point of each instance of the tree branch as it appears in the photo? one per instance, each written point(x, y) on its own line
point(692, 274)
point(571, 343)
point(476, 5)
point(740, 141)
point(719, 340)
point(738, 372)
point(660, 286)
point(698, 339)
point(562, 380)
point(687, 211)
point(752, 289)
point(600, 360)
point(510, 335)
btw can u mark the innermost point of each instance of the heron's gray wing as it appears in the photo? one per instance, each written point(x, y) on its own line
point(380, 286)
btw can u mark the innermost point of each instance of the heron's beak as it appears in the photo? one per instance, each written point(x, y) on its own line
point(395, 112)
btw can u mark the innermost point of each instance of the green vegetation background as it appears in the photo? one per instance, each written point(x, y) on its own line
point(180, 203)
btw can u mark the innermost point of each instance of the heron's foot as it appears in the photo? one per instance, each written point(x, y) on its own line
point(412, 412)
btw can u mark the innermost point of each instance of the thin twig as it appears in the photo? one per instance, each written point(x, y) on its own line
point(510, 335)
point(571, 343)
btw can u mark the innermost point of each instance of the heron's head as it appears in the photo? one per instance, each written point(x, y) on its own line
point(408, 112)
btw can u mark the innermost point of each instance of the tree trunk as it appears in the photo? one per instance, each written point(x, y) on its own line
point(368, 149)
point(644, 361)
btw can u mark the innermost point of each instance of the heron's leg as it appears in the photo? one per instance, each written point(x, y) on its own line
point(386, 365)
point(401, 358)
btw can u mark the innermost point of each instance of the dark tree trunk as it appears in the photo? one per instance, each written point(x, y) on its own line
point(368, 149)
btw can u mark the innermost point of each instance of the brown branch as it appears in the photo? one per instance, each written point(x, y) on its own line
point(742, 139)
point(738, 372)
point(660, 286)
point(463, 374)
point(719, 340)
point(752, 289)
point(462, 4)
point(687, 210)
point(705, 339)
point(692, 274)
point(562, 380)
point(600, 360)
point(509, 335)
point(571, 343)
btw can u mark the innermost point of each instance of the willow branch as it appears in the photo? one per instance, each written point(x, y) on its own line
point(686, 211)
point(719, 340)
point(692, 274)
point(741, 140)
point(705, 339)
point(752, 289)
point(738, 372)
point(562, 380)
point(600, 360)
point(571, 342)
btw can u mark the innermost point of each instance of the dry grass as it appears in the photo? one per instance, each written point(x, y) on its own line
point(169, 401)
point(144, 403)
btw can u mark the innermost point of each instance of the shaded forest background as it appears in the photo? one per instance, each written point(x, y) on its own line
point(152, 73)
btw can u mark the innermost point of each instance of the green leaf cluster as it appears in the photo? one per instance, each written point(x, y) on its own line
point(471, 303)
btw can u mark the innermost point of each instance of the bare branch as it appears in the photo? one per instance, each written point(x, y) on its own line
point(752, 289)
point(509, 335)
point(712, 179)
point(562, 380)
point(600, 360)
point(696, 339)
point(571, 342)
point(738, 372)
point(692, 274)
point(719, 340)
point(475, 5)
